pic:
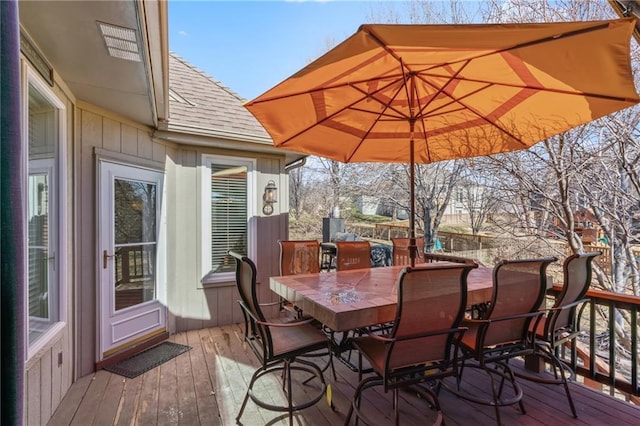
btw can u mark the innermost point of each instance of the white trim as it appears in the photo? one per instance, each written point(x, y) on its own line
point(30, 77)
point(205, 213)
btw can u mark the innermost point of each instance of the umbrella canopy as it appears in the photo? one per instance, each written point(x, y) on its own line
point(426, 93)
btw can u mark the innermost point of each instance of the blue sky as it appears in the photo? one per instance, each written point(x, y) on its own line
point(252, 46)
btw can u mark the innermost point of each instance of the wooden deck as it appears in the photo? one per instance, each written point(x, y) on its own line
point(206, 386)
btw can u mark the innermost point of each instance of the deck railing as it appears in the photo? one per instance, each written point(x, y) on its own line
point(607, 351)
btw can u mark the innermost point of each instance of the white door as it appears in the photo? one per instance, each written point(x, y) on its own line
point(131, 256)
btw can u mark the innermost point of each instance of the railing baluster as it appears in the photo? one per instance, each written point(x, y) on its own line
point(634, 349)
point(592, 340)
point(612, 345)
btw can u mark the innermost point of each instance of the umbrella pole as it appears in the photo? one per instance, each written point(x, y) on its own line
point(412, 222)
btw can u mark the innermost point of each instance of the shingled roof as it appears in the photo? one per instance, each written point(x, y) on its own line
point(199, 104)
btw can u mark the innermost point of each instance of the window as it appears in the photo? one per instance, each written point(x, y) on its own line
point(227, 207)
point(44, 132)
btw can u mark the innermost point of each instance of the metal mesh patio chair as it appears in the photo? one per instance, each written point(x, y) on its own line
point(420, 347)
point(519, 287)
point(560, 324)
point(401, 255)
point(278, 345)
point(298, 257)
point(301, 257)
point(353, 255)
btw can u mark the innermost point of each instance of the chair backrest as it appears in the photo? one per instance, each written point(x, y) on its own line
point(431, 303)
point(401, 255)
point(353, 255)
point(577, 279)
point(299, 257)
point(246, 284)
point(519, 287)
point(439, 257)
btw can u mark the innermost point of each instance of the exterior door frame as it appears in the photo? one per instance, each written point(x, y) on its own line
point(149, 318)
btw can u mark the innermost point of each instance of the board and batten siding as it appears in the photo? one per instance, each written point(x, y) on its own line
point(191, 305)
point(194, 305)
point(102, 134)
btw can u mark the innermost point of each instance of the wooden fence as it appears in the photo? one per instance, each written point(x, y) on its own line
point(485, 249)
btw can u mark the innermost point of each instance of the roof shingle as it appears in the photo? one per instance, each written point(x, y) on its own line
point(204, 104)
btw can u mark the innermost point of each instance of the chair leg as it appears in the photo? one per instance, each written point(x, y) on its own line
point(547, 353)
point(565, 382)
point(396, 409)
point(287, 367)
point(495, 396)
point(254, 377)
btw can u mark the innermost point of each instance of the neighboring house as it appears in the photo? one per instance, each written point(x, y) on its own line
point(141, 171)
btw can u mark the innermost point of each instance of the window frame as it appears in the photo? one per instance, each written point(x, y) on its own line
point(210, 279)
point(31, 78)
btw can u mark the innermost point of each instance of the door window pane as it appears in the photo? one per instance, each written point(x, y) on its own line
point(135, 242)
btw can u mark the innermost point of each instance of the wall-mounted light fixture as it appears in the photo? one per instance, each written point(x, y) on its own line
point(269, 197)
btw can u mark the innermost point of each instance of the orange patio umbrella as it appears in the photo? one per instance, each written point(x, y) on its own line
point(425, 93)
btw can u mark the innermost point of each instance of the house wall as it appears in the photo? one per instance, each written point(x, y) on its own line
point(103, 134)
point(192, 304)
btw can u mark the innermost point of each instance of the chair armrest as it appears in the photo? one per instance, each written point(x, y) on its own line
point(459, 330)
point(286, 324)
point(567, 306)
point(512, 317)
point(271, 303)
point(374, 336)
point(246, 309)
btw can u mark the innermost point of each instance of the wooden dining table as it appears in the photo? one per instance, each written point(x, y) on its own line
point(349, 300)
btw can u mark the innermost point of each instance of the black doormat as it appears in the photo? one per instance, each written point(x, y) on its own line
point(147, 359)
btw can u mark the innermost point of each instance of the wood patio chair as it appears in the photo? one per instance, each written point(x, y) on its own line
point(519, 288)
point(560, 324)
point(353, 255)
point(277, 345)
point(401, 254)
point(421, 345)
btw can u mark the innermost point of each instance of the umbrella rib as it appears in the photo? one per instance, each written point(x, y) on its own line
point(464, 107)
point(524, 86)
point(386, 106)
point(393, 77)
point(367, 95)
point(395, 56)
point(581, 31)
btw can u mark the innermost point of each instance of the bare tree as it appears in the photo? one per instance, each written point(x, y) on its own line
point(478, 197)
point(297, 191)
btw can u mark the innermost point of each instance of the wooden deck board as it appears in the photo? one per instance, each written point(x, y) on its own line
point(147, 414)
point(91, 401)
point(205, 400)
point(129, 401)
point(207, 384)
point(106, 414)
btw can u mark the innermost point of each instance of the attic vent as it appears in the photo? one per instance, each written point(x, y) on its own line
point(120, 41)
point(175, 96)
